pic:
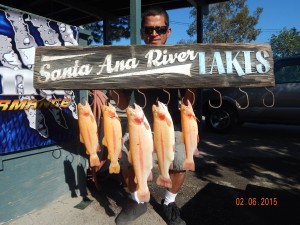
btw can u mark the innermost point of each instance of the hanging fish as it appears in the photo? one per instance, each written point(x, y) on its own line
point(164, 142)
point(140, 150)
point(112, 136)
point(89, 133)
point(190, 136)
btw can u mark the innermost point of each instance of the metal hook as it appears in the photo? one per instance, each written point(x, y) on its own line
point(144, 97)
point(117, 96)
point(273, 98)
point(193, 96)
point(220, 100)
point(238, 105)
point(169, 96)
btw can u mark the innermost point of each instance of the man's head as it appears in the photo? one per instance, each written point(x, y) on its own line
point(155, 26)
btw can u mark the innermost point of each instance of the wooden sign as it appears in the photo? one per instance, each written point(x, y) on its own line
point(151, 66)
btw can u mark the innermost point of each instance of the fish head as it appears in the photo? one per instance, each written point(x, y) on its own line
point(135, 115)
point(187, 110)
point(84, 109)
point(109, 110)
point(160, 111)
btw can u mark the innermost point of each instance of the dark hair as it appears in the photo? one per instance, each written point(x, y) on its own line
point(154, 11)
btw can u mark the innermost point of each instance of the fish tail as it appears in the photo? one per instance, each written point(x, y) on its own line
point(143, 195)
point(164, 182)
point(114, 167)
point(188, 165)
point(94, 160)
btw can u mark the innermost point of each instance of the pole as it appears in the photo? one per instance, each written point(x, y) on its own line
point(135, 21)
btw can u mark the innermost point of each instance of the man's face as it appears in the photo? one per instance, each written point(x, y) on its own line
point(154, 30)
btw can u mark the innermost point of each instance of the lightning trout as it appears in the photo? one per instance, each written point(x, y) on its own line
point(140, 149)
point(89, 133)
point(112, 136)
point(164, 142)
point(190, 135)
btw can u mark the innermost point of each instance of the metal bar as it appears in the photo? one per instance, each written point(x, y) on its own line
point(27, 153)
point(106, 35)
point(135, 21)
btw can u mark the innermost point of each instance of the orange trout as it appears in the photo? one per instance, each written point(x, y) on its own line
point(140, 150)
point(89, 133)
point(112, 136)
point(190, 136)
point(164, 142)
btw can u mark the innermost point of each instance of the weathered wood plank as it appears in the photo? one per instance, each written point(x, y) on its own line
point(146, 66)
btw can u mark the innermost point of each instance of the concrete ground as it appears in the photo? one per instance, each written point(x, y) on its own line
point(250, 176)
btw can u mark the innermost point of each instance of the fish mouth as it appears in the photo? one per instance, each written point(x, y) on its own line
point(136, 111)
point(163, 107)
point(188, 105)
point(83, 101)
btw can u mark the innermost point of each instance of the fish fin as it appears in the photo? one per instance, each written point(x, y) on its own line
point(146, 125)
point(164, 182)
point(114, 167)
point(196, 152)
point(104, 141)
point(169, 122)
point(150, 177)
point(143, 195)
point(81, 138)
point(198, 138)
point(188, 165)
point(129, 157)
point(94, 160)
point(135, 180)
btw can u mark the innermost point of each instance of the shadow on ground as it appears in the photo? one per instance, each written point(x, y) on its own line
point(250, 176)
point(218, 204)
point(109, 187)
point(270, 152)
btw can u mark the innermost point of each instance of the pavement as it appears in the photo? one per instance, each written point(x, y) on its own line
point(250, 176)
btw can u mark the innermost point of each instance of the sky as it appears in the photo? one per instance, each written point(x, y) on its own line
point(276, 15)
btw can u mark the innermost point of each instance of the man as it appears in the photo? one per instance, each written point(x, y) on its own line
point(155, 30)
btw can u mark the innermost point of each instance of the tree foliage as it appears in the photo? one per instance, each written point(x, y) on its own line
point(286, 43)
point(228, 22)
point(118, 28)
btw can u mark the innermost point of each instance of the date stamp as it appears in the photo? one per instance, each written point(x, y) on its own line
point(254, 201)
